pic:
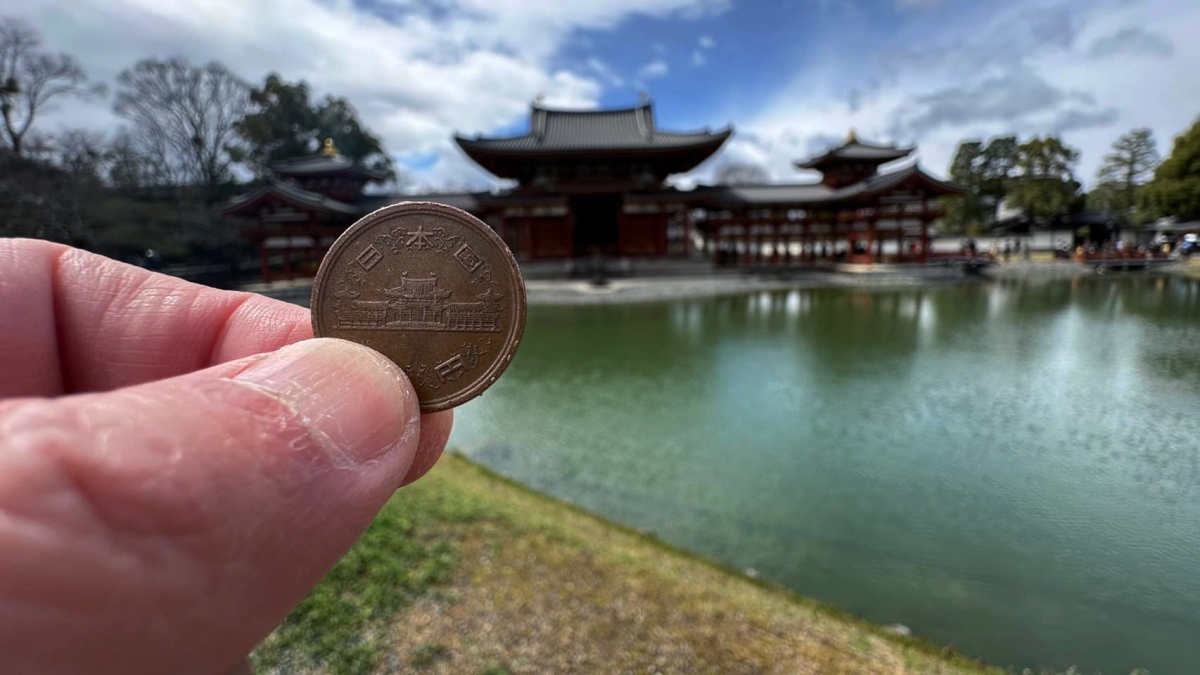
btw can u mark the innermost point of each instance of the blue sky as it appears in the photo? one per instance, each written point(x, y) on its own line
point(792, 77)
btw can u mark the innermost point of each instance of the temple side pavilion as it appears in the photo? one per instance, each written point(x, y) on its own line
point(592, 185)
point(846, 216)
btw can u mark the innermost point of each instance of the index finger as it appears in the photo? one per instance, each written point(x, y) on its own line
point(72, 321)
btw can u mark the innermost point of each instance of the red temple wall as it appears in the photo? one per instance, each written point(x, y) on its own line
point(643, 234)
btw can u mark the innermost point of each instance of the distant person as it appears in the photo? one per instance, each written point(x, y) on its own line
point(175, 474)
point(1007, 250)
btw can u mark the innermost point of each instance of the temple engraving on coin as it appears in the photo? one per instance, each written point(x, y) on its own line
point(414, 281)
point(421, 304)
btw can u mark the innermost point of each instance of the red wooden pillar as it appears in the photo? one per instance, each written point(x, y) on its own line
point(622, 236)
point(746, 237)
point(527, 227)
point(687, 232)
point(287, 252)
point(264, 262)
point(663, 241)
point(871, 240)
point(835, 233)
point(924, 238)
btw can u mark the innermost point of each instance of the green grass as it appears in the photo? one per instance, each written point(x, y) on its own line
point(463, 544)
point(342, 626)
point(427, 655)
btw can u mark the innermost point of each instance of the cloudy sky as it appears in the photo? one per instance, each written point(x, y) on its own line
point(791, 76)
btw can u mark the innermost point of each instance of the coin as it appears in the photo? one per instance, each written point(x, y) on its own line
point(432, 288)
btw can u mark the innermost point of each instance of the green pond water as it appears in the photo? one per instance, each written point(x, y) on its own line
point(1011, 468)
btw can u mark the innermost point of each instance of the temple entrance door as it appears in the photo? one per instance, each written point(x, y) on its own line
point(596, 224)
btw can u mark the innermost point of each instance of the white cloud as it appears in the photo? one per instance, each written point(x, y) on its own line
point(654, 69)
point(416, 73)
point(706, 42)
point(1028, 70)
point(601, 68)
point(698, 58)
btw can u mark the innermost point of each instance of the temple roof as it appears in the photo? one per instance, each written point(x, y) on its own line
point(854, 150)
point(467, 201)
point(819, 193)
point(291, 194)
point(561, 131)
point(296, 196)
point(327, 162)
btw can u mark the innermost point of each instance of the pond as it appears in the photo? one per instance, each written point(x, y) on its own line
point(1011, 468)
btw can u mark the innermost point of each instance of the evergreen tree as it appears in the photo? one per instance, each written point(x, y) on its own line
point(284, 124)
point(1175, 190)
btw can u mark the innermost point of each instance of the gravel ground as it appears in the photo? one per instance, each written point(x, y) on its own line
point(659, 289)
point(677, 288)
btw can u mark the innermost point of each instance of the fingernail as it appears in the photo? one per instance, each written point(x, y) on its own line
point(351, 398)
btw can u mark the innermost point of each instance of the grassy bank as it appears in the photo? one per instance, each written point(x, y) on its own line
point(465, 572)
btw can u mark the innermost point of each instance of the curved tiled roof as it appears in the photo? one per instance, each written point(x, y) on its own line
point(772, 194)
point(857, 151)
point(553, 131)
point(467, 201)
point(322, 164)
point(293, 195)
point(816, 193)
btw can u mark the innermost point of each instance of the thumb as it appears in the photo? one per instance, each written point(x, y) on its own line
point(168, 527)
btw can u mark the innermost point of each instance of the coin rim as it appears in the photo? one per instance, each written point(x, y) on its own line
point(489, 377)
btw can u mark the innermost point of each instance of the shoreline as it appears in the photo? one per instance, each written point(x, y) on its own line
point(636, 290)
point(510, 581)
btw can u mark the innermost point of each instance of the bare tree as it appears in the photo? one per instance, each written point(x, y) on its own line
point(741, 174)
point(183, 117)
point(81, 152)
point(135, 169)
point(52, 192)
point(32, 78)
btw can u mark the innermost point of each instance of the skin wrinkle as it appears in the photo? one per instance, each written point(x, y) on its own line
point(218, 507)
point(219, 338)
point(137, 308)
point(101, 305)
point(56, 329)
point(35, 530)
point(339, 458)
point(148, 310)
point(209, 535)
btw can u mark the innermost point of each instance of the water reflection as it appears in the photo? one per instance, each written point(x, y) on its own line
point(1011, 467)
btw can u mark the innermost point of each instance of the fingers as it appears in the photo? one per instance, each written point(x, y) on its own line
point(73, 322)
point(168, 527)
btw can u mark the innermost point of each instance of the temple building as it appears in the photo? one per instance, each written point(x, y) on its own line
point(592, 185)
point(847, 216)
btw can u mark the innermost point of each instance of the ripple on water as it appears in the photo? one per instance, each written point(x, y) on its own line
point(1012, 468)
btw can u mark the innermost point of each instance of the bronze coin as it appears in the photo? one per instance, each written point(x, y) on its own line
point(432, 288)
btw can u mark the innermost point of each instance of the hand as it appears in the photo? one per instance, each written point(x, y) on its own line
point(175, 473)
